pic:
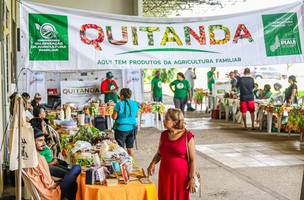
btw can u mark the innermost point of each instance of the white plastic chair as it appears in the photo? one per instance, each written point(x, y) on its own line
point(31, 188)
point(56, 139)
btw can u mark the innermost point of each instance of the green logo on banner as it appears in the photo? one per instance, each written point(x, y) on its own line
point(48, 37)
point(281, 34)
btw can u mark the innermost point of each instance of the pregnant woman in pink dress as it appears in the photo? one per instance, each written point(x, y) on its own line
point(176, 177)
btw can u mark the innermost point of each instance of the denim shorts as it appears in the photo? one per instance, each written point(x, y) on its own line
point(125, 138)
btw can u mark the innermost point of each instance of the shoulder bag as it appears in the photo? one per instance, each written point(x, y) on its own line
point(197, 176)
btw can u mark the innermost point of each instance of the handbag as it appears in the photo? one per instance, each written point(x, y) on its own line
point(197, 176)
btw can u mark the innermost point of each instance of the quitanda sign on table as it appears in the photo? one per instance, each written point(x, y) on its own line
point(59, 38)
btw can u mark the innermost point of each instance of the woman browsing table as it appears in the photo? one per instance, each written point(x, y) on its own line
point(291, 91)
point(176, 176)
point(125, 113)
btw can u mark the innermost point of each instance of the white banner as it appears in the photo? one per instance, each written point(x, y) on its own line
point(133, 80)
point(79, 92)
point(56, 38)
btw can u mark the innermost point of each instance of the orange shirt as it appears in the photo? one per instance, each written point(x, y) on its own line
point(41, 178)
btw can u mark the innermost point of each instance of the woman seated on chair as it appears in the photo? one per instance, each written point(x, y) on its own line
point(41, 178)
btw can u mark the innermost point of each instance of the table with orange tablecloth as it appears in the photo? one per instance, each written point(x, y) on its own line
point(134, 190)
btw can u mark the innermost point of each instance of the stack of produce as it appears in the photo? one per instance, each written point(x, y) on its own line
point(152, 107)
point(199, 95)
point(94, 109)
point(110, 108)
point(145, 108)
point(296, 120)
point(89, 134)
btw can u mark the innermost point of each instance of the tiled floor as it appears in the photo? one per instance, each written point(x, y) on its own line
point(240, 155)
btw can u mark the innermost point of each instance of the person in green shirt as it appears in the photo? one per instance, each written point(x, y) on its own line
point(211, 78)
point(109, 88)
point(56, 166)
point(277, 97)
point(182, 91)
point(266, 94)
point(156, 88)
point(47, 154)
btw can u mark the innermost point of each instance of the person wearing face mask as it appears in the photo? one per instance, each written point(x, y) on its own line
point(125, 113)
point(182, 91)
point(176, 174)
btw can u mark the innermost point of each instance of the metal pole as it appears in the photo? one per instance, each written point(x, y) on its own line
point(19, 193)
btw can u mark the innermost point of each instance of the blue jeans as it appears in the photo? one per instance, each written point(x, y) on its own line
point(180, 103)
point(59, 171)
point(158, 99)
point(69, 185)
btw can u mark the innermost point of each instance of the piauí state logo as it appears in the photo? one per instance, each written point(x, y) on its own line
point(47, 31)
point(276, 44)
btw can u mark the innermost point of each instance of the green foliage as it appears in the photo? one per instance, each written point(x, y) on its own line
point(166, 75)
point(301, 93)
point(89, 134)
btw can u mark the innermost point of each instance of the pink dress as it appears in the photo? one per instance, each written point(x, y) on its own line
point(173, 173)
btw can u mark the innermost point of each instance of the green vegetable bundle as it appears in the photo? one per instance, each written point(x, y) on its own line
point(84, 161)
point(64, 139)
point(89, 134)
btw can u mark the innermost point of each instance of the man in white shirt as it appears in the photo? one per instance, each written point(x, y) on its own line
point(190, 76)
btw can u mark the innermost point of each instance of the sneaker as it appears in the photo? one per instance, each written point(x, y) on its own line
point(191, 109)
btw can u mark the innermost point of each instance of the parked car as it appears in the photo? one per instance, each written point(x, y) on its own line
point(270, 72)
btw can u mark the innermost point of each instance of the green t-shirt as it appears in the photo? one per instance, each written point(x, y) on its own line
point(47, 154)
point(267, 94)
point(156, 85)
point(181, 89)
point(111, 96)
point(210, 74)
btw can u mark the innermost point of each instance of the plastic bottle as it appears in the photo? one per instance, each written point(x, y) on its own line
point(68, 113)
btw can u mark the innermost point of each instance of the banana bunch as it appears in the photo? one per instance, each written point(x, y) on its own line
point(158, 108)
